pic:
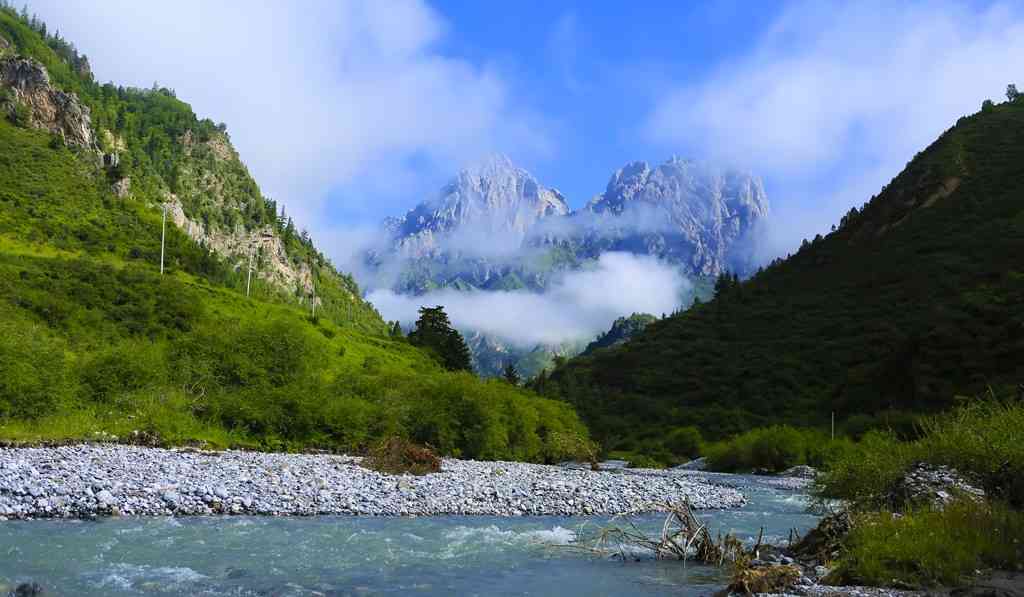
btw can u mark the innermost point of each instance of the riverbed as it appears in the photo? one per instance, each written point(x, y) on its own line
point(368, 555)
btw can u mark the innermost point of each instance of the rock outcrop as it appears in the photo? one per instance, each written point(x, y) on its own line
point(929, 485)
point(49, 109)
point(274, 264)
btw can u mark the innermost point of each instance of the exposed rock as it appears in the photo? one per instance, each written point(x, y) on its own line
point(801, 471)
point(622, 330)
point(823, 543)
point(28, 590)
point(275, 267)
point(937, 486)
point(122, 188)
point(4, 45)
point(495, 200)
point(688, 213)
point(698, 464)
point(50, 109)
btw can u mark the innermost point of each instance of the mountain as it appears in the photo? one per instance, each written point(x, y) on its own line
point(115, 326)
point(494, 198)
point(911, 300)
point(684, 212)
point(494, 227)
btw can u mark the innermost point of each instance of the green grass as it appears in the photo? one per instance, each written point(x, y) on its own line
point(980, 439)
point(930, 548)
point(89, 350)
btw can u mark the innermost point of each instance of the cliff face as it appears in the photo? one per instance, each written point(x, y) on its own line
point(49, 109)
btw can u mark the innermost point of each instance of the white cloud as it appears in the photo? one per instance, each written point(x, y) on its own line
point(318, 96)
point(835, 98)
point(578, 306)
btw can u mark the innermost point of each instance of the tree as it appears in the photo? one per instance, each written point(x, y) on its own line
point(434, 332)
point(1011, 92)
point(510, 374)
point(396, 330)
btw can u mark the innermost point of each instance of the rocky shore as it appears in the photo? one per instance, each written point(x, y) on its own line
point(90, 480)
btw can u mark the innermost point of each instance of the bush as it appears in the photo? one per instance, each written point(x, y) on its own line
point(125, 368)
point(774, 449)
point(931, 548)
point(685, 442)
point(32, 370)
point(398, 456)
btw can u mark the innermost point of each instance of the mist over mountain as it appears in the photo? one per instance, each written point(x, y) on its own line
point(521, 273)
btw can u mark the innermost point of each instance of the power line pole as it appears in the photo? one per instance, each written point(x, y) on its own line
point(248, 278)
point(163, 238)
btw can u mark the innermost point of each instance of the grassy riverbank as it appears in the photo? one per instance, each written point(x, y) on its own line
point(919, 544)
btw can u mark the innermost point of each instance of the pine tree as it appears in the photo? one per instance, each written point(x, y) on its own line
point(396, 330)
point(510, 374)
point(434, 332)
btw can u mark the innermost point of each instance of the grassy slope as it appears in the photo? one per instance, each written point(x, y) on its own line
point(95, 343)
point(148, 128)
point(900, 309)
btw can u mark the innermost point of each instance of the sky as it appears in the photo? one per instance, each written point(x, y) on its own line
point(350, 111)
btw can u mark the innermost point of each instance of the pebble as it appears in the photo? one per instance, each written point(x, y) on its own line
point(89, 480)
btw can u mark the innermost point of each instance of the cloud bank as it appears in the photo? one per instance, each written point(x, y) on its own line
point(578, 306)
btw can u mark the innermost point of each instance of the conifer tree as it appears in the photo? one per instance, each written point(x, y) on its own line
point(510, 374)
point(435, 332)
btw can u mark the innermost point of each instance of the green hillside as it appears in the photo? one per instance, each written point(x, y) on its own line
point(910, 301)
point(95, 343)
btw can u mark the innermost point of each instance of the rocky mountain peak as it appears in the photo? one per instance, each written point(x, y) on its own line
point(493, 197)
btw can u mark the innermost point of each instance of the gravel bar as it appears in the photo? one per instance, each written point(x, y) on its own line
point(90, 480)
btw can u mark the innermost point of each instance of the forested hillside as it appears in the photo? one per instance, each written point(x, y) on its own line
point(910, 301)
point(96, 343)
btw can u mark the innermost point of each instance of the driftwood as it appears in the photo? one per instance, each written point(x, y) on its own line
point(683, 537)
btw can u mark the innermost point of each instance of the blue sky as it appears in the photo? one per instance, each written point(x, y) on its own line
point(351, 111)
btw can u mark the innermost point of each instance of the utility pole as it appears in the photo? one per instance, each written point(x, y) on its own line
point(163, 238)
point(248, 278)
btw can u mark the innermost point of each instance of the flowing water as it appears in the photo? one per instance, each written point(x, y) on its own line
point(363, 555)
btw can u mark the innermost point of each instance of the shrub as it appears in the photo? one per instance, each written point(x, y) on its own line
point(685, 442)
point(773, 449)
point(32, 370)
point(399, 456)
point(122, 369)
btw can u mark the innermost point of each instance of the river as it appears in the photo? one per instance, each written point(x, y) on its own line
point(447, 555)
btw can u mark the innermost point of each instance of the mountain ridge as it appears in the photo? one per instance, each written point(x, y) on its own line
point(907, 303)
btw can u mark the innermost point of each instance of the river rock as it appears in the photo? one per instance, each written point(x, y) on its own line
point(85, 481)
